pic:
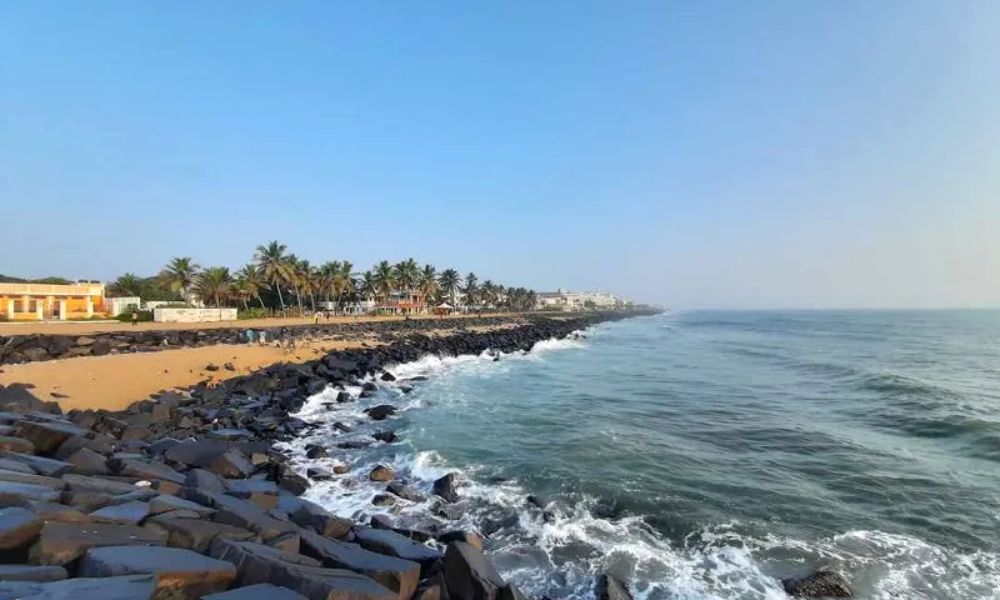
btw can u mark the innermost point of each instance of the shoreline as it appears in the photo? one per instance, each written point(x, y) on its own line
point(202, 463)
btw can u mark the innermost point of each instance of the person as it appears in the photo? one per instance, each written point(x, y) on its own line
point(135, 317)
point(315, 318)
point(263, 337)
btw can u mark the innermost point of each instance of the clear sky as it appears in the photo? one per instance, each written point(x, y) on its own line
point(698, 154)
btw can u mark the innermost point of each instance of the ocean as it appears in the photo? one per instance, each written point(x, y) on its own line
point(707, 455)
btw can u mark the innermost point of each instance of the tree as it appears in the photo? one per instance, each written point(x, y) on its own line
point(128, 284)
point(385, 280)
point(488, 293)
point(448, 282)
point(214, 283)
point(368, 285)
point(427, 282)
point(406, 274)
point(274, 266)
point(180, 274)
point(470, 289)
point(250, 281)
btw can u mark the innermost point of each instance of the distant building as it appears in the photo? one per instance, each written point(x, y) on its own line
point(575, 301)
point(44, 301)
point(120, 306)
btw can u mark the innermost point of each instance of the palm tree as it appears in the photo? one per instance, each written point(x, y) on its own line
point(180, 274)
point(274, 266)
point(385, 280)
point(449, 284)
point(407, 274)
point(368, 285)
point(128, 284)
point(213, 283)
point(250, 281)
point(488, 293)
point(428, 282)
point(470, 289)
point(295, 278)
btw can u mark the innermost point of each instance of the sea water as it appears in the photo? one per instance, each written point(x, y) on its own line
point(708, 454)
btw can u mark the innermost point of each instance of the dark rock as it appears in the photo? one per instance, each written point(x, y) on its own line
point(469, 575)
point(470, 538)
point(16, 444)
point(388, 542)
point(18, 527)
point(32, 573)
point(182, 574)
point(204, 480)
point(132, 587)
point(19, 477)
point(10, 490)
point(315, 451)
point(382, 473)
point(62, 543)
point(313, 516)
point(195, 533)
point(821, 584)
point(380, 412)
point(47, 436)
point(39, 464)
point(445, 487)
point(398, 575)
point(611, 588)
point(166, 502)
point(88, 462)
point(256, 563)
point(261, 591)
point(385, 436)
point(243, 514)
point(129, 513)
point(149, 469)
point(318, 474)
point(387, 376)
point(404, 491)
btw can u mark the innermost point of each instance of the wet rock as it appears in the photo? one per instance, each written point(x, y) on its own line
point(181, 574)
point(469, 575)
point(261, 591)
point(312, 516)
point(380, 412)
point(821, 584)
point(62, 543)
point(381, 473)
point(391, 543)
point(470, 538)
point(32, 573)
point(385, 436)
point(132, 587)
point(318, 474)
point(256, 563)
point(611, 588)
point(387, 376)
point(18, 527)
point(407, 492)
point(313, 451)
point(445, 488)
point(398, 575)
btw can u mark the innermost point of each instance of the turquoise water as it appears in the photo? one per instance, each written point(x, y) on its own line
point(709, 454)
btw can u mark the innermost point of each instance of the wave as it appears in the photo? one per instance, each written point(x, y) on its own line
point(556, 547)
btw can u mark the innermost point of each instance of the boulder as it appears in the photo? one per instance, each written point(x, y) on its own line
point(62, 543)
point(256, 563)
point(195, 533)
point(16, 444)
point(261, 591)
point(382, 473)
point(821, 584)
point(12, 491)
point(221, 458)
point(166, 502)
point(128, 513)
point(204, 480)
point(445, 488)
point(19, 477)
point(380, 412)
point(32, 573)
point(131, 587)
point(88, 462)
point(313, 516)
point(469, 575)
point(261, 492)
point(18, 527)
point(148, 469)
point(389, 542)
point(243, 514)
point(181, 574)
point(610, 587)
point(41, 465)
point(46, 436)
point(400, 576)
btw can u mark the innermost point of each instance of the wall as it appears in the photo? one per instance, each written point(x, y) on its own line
point(193, 315)
point(117, 306)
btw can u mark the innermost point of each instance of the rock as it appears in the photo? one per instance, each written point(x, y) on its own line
point(41, 465)
point(261, 492)
point(46, 437)
point(94, 484)
point(314, 452)
point(11, 490)
point(343, 397)
point(470, 538)
point(181, 574)
point(821, 584)
point(382, 473)
point(400, 576)
point(406, 492)
point(256, 563)
point(388, 542)
point(383, 500)
point(291, 481)
point(380, 412)
point(85, 341)
point(611, 588)
point(221, 458)
point(313, 516)
point(204, 480)
point(341, 469)
point(387, 376)
point(32, 573)
point(445, 488)
point(166, 502)
point(129, 513)
point(132, 587)
point(385, 436)
point(318, 474)
point(62, 543)
point(243, 514)
point(18, 527)
point(195, 533)
point(151, 469)
point(50, 511)
point(19, 477)
point(211, 367)
point(261, 591)
point(16, 444)
point(88, 462)
point(469, 575)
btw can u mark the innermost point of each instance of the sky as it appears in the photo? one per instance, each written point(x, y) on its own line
point(693, 154)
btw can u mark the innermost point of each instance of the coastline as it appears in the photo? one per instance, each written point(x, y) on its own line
point(177, 444)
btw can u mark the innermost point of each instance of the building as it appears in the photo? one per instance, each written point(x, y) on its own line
point(44, 301)
point(404, 302)
point(573, 301)
point(120, 306)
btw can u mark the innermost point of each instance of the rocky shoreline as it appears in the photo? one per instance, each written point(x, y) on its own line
point(184, 495)
point(33, 347)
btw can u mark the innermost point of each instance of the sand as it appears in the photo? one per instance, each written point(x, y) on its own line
point(115, 381)
point(88, 327)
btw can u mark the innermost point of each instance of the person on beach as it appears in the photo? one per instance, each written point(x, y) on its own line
point(315, 318)
point(135, 318)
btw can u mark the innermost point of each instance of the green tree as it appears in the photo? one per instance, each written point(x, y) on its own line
point(214, 283)
point(470, 289)
point(250, 281)
point(385, 280)
point(180, 275)
point(128, 284)
point(274, 266)
point(448, 282)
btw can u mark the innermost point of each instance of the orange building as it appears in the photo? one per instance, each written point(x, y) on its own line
point(43, 301)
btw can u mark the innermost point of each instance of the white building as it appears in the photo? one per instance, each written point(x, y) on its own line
point(566, 300)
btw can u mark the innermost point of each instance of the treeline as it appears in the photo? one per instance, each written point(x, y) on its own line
point(276, 279)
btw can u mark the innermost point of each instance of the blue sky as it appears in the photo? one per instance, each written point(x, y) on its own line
point(717, 154)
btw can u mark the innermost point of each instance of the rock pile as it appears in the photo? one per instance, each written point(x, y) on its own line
point(184, 495)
